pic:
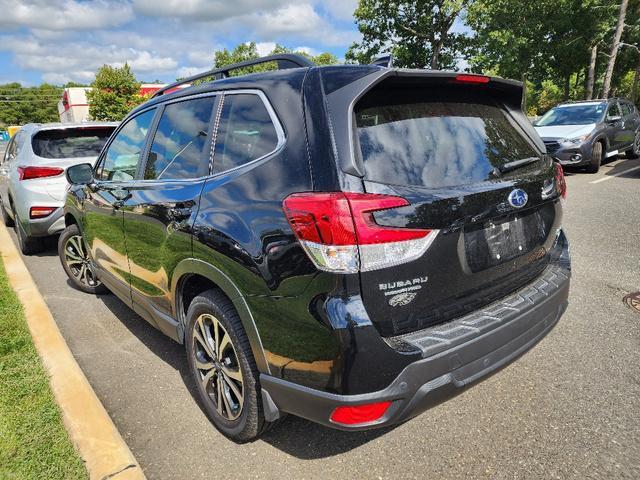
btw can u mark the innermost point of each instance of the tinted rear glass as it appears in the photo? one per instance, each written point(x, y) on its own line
point(70, 143)
point(436, 138)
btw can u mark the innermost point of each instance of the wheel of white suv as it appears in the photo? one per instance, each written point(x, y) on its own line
point(76, 262)
point(634, 151)
point(596, 158)
point(223, 367)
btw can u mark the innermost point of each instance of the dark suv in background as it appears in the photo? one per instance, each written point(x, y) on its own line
point(585, 133)
point(350, 244)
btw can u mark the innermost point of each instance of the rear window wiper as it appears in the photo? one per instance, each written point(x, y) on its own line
point(508, 167)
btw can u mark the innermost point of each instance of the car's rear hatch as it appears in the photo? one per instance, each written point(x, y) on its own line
point(64, 147)
point(458, 150)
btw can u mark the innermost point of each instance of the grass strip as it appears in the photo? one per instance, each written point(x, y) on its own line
point(33, 441)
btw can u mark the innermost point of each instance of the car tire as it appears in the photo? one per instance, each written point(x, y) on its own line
point(596, 158)
point(6, 219)
point(28, 245)
point(229, 386)
point(76, 262)
point(634, 152)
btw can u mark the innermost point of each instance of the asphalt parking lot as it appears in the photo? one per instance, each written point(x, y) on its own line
point(570, 408)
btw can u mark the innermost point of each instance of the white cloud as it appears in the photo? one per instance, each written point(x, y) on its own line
point(147, 62)
point(70, 39)
point(203, 10)
point(340, 9)
point(62, 78)
point(265, 48)
point(294, 18)
point(308, 50)
point(297, 21)
point(188, 71)
point(65, 15)
point(72, 60)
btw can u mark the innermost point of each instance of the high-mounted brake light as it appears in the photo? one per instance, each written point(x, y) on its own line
point(561, 183)
point(466, 78)
point(339, 233)
point(28, 173)
point(359, 414)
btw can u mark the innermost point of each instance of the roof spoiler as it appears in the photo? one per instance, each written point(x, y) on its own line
point(283, 60)
point(342, 100)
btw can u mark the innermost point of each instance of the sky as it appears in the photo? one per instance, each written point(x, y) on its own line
point(58, 41)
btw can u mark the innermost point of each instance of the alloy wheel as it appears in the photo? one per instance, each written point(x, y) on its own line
point(77, 259)
point(636, 144)
point(217, 363)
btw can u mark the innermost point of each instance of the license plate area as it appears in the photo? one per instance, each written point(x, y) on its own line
point(502, 239)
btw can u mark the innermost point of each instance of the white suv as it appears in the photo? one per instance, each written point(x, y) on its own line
point(32, 180)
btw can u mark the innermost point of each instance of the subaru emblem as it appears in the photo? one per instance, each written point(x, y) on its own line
point(518, 198)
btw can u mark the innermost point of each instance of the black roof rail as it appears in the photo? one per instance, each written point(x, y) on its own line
point(284, 61)
point(384, 60)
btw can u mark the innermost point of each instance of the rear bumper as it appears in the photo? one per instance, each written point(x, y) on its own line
point(43, 227)
point(496, 335)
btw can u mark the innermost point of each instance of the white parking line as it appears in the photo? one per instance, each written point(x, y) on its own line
point(615, 175)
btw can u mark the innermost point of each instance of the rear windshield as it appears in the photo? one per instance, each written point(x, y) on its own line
point(70, 142)
point(435, 138)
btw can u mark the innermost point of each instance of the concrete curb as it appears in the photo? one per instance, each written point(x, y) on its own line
point(92, 431)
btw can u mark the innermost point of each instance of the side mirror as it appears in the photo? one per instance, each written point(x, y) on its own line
point(81, 174)
point(614, 118)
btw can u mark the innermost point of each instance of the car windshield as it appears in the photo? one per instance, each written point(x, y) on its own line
point(71, 142)
point(576, 114)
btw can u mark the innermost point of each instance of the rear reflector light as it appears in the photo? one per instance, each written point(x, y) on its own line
point(360, 414)
point(28, 173)
point(561, 183)
point(40, 212)
point(472, 78)
point(339, 233)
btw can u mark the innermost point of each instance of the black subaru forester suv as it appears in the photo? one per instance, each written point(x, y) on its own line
point(349, 244)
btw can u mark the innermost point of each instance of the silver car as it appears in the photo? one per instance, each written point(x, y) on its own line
point(585, 133)
point(33, 184)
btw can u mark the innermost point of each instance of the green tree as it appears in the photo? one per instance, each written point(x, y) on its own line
point(20, 105)
point(416, 32)
point(115, 91)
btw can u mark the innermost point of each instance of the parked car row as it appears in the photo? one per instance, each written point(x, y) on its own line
point(348, 244)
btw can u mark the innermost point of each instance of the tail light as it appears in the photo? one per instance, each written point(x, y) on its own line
point(339, 233)
point(359, 414)
point(40, 212)
point(28, 173)
point(561, 183)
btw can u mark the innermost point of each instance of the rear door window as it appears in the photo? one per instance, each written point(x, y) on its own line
point(180, 147)
point(436, 138)
point(246, 132)
point(70, 142)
